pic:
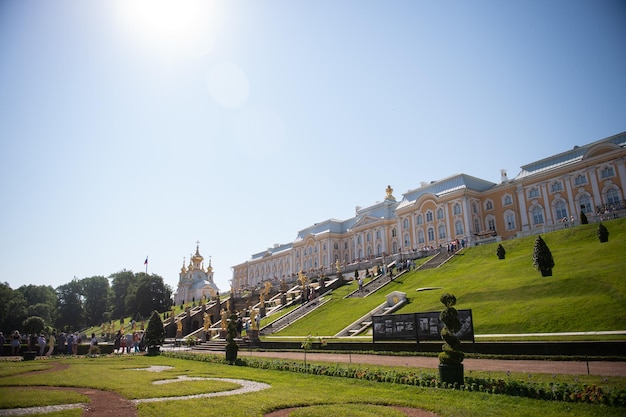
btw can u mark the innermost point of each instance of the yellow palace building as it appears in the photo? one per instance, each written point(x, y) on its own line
point(546, 195)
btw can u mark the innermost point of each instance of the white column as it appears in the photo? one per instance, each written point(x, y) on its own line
point(546, 204)
point(594, 186)
point(521, 198)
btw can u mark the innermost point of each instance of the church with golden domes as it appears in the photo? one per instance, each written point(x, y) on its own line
point(195, 282)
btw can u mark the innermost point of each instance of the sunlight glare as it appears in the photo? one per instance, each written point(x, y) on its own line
point(182, 25)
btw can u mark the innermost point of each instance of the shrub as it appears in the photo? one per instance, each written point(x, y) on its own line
point(583, 218)
point(155, 333)
point(500, 252)
point(602, 232)
point(542, 258)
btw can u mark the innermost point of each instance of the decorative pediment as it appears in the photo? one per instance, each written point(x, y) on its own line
point(364, 221)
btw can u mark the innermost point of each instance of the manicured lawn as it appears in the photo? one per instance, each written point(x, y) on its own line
point(320, 395)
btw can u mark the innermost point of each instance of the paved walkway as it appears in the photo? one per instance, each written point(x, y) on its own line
point(531, 366)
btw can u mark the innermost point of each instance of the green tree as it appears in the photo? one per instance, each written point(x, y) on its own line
point(121, 283)
point(71, 312)
point(33, 325)
point(542, 257)
point(97, 295)
point(155, 333)
point(12, 309)
point(41, 301)
point(152, 294)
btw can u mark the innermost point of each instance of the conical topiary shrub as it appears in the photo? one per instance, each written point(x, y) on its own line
point(154, 336)
point(583, 218)
point(500, 252)
point(450, 360)
point(542, 258)
point(603, 233)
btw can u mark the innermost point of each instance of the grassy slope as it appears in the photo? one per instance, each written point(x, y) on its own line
point(586, 293)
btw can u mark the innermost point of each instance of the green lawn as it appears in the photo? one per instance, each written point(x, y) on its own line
point(586, 293)
point(319, 395)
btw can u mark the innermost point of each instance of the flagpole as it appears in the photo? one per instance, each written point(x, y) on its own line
point(146, 262)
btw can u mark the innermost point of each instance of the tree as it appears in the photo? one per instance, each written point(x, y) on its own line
point(152, 294)
point(96, 293)
point(41, 301)
point(12, 308)
point(33, 325)
point(231, 345)
point(451, 357)
point(121, 282)
point(583, 218)
point(500, 252)
point(71, 313)
point(155, 333)
point(603, 233)
point(542, 258)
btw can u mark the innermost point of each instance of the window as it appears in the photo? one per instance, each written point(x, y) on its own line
point(407, 242)
point(457, 209)
point(491, 224)
point(607, 172)
point(537, 215)
point(458, 227)
point(510, 221)
point(377, 234)
point(442, 231)
point(420, 236)
point(429, 216)
point(405, 223)
point(420, 219)
point(474, 208)
point(345, 245)
point(489, 205)
point(379, 250)
point(324, 247)
point(580, 180)
point(431, 234)
point(612, 196)
point(561, 210)
point(358, 240)
point(368, 237)
point(556, 187)
point(393, 232)
point(336, 246)
point(533, 193)
point(439, 214)
point(508, 200)
point(476, 226)
point(585, 204)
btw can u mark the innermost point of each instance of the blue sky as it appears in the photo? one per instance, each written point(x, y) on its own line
point(132, 129)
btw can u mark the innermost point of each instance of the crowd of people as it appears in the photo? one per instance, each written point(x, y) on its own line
point(43, 344)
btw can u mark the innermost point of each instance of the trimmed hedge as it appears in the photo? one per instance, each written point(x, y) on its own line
point(566, 392)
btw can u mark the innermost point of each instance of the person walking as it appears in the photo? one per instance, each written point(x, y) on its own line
point(15, 343)
point(93, 344)
point(51, 342)
point(42, 344)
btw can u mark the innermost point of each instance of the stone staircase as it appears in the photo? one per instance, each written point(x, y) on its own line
point(395, 300)
point(219, 345)
point(436, 261)
point(292, 316)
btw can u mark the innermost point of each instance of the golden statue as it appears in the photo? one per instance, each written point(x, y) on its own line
point(207, 322)
point(390, 196)
point(253, 319)
point(179, 326)
point(262, 300)
point(224, 317)
point(302, 278)
point(268, 287)
point(338, 266)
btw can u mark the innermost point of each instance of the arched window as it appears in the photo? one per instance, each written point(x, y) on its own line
point(537, 215)
point(584, 202)
point(393, 232)
point(612, 196)
point(580, 180)
point(442, 231)
point(358, 240)
point(405, 223)
point(533, 193)
point(488, 205)
point(458, 227)
point(407, 242)
point(379, 250)
point(509, 220)
point(556, 186)
point(420, 219)
point(368, 237)
point(560, 209)
point(394, 247)
point(476, 226)
point(457, 209)
point(439, 214)
point(508, 200)
point(377, 233)
point(429, 216)
point(431, 234)
point(420, 236)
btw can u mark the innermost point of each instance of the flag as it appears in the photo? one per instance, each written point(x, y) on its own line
point(146, 261)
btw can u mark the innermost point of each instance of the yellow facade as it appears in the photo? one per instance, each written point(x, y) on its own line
point(547, 195)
